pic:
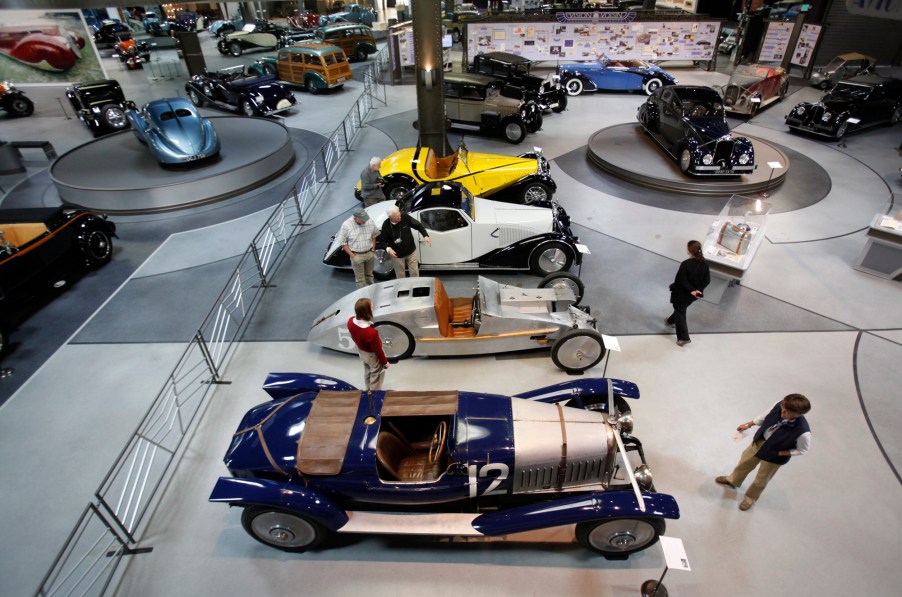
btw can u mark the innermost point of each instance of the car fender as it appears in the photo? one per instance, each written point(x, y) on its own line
point(89, 222)
point(582, 388)
point(138, 125)
point(538, 177)
point(321, 82)
point(282, 385)
point(575, 509)
point(516, 255)
point(281, 495)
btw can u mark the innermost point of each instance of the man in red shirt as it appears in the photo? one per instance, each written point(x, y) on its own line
point(369, 344)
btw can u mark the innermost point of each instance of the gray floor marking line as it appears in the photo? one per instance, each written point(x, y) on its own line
point(813, 240)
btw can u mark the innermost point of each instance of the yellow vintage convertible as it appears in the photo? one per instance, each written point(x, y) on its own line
point(521, 179)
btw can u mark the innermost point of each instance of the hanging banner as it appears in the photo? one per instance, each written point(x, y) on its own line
point(776, 41)
point(881, 9)
point(804, 49)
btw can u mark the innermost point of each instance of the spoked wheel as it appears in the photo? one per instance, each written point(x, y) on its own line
point(284, 530)
point(195, 98)
point(535, 193)
point(383, 267)
point(573, 86)
point(96, 246)
point(397, 342)
point(395, 190)
point(235, 49)
point(578, 350)
point(247, 108)
point(685, 160)
point(619, 537)
point(113, 116)
point(565, 280)
point(549, 258)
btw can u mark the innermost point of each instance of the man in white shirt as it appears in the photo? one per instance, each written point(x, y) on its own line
point(358, 239)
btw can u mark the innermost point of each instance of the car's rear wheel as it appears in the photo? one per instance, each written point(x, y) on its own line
point(514, 130)
point(397, 342)
point(549, 258)
point(825, 84)
point(897, 115)
point(113, 116)
point(578, 350)
point(621, 536)
point(383, 267)
point(535, 192)
point(96, 246)
point(247, 108)
point(685, 160)
point(235, 49)
point(20, 106)
point(561, 105)
point(652, 85)
point(565, 280)
point(269, 69)
point(284, 530)
point(536, 123)
point(395, 190)
point(573, 86)
point(843, 128)
point(195, 98)
point(361, 54)
point(310, 86)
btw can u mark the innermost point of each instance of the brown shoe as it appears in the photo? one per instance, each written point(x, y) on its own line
point(724, 481)
point(746, 504)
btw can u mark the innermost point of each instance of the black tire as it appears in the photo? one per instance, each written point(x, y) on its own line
point(397, 342)
point(269, 69)
point(310, 86)
point(96, 246)
point(573, 86)
point(619, 537)
point(383, 267)
point(20, 106)
point(652, 85)
point(565, 280)
point(114, 117)
point(685, 160)
point(514, 130)
point(550, 257)
point(235, 49)
point(281, 529)
point(577, 350)
point(825, 84)
point(535, 193)
point(536, 123)
point(842, 130)
point(896, 116)
point(361, 54)
point(561, 105)
point(195, 98)
point(395, 190)
point(247, 109)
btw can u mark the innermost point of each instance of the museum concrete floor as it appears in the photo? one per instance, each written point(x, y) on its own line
point(802, 321)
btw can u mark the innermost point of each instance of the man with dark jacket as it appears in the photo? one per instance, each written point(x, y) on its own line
point(783, 432)
point(399, 242)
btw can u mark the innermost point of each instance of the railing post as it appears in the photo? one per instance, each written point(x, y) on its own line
point(322, 154)
point(260, 270)
point(202, 344)
point(344, 134)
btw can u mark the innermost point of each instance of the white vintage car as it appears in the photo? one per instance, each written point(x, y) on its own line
point(415, 317)
point(469, 232)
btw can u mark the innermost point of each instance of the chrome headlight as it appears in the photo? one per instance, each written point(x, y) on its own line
point(827, 117)
point(258, 98)
point(800, 110)
point(625, 422)
point(708, 159)
point(744, 159)
point(643, 477)
point(555, 79)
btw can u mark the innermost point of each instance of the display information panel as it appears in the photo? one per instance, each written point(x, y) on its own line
point(804, 50)
point(776, 41)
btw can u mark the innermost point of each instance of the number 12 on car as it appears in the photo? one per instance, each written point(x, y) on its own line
point(502, 471)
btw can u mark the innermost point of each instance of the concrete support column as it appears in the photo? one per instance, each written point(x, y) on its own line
point(427, 43)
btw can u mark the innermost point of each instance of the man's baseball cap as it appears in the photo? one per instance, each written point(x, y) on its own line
point(361, 214)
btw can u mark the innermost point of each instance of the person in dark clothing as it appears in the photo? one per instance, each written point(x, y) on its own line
point(400, 245)
point(783, 432)
point(691, 279)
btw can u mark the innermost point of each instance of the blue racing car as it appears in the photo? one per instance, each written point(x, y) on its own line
point(174, 131)
point(323, 457)
point(613, 75)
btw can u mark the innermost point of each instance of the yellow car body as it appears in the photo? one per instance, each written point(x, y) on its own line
point(523, 179)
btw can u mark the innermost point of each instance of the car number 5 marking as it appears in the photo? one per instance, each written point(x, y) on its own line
point(345, 342)
point(492, 489)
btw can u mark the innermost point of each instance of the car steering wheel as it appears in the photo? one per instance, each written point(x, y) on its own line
point(438, 442)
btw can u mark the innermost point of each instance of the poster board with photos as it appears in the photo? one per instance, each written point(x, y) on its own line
point(804, 49)
point(776, 41)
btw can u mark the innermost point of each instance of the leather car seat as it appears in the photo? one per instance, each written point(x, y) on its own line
point(403, 463)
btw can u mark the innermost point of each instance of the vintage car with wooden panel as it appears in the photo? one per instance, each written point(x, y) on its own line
point(490, 105)
point(605, 74)
point(753, 87)
point(689, 124)
point(43, 249)
point(355, 39)
point(100, 105)
point(231, 89)
point(471, 233)
point(546, 91)
point(525, 178)
point(858, 103)
point(316, 66)
point(416, 317)
point(322, 457)
point(174, 132)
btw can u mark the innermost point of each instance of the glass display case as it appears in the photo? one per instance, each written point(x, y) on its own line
point(734, 237)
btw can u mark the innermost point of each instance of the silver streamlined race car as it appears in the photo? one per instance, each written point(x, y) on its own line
point(415, 317)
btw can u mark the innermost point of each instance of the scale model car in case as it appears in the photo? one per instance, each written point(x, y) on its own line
point(323, 457)
point(415, 317)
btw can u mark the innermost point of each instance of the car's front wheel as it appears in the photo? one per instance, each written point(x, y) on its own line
point(573, 86)
point(20, 106)
point(383, 267)
point(514, 130)
point(897, 115)
point(549, 258)
point(577, 350)
point(686, 160)
point(397, 342)
point(284, 530)
point(561, 105)
point(535, 193)
point(652, 85)
point(619, 537)
point(565, 280)
point(247, 108)
point(96, 246)
point(843, 128)
point(536, 123)
point(269, 69)
point(114, 117)
point(235, 49)
point(395, 190)
point(195, 98)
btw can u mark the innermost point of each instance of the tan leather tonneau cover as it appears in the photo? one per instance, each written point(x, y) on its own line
point(324, 442)
point(412, 404)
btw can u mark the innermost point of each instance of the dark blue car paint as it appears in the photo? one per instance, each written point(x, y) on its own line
point(264, 492)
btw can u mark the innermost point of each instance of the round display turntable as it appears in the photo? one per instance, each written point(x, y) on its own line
point(117, 174)
point(627, 152)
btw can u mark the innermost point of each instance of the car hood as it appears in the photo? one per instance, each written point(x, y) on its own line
point(511, 168)
point(709, 128)
point(744, 82)
point(837, 104)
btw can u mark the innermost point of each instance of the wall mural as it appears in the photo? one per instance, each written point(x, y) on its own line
point(49, 47)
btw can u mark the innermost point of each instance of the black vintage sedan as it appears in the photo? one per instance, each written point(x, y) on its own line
point(259, 35)
point(231, 89)
point(855, 104)
point(101, 105)
point(689, 124)
point(42, 249)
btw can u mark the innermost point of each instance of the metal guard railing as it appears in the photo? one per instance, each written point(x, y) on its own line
point(111, 525)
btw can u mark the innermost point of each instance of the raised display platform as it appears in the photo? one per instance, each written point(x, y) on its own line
point(117, 174)
point(627, 152)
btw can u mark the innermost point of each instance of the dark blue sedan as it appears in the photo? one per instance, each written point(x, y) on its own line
point(613, 75)
point(323, 457)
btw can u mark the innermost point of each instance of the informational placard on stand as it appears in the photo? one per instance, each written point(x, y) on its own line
point(776, 41)
point(804, 49)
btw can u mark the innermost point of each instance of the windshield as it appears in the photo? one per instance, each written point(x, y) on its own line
point(850, 91)
point(462, 156)
point(834, 64)
point(702, 109)
point(749, 70)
